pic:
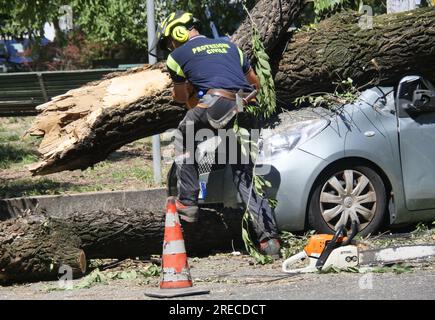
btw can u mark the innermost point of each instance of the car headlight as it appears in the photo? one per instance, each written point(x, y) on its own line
point(293, 136)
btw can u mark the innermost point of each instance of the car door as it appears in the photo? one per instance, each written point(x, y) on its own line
point(417, 146)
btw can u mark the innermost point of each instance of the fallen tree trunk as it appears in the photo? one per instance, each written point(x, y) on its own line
point(35, 247)
point(31, 248)
point(272, 18)
point(84, 126)
point(338, 48)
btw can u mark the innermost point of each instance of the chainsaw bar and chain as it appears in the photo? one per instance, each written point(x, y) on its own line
point(392, 255)
point(325, 251)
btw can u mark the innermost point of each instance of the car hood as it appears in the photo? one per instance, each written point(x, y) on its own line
point(281, 123)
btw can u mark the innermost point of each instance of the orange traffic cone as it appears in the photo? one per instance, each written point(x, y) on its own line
point(175, 269)
point(176, 280)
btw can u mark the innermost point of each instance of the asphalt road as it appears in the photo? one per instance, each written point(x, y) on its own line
point(235, 278)
point(414, 286)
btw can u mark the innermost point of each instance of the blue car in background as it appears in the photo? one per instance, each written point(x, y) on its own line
point(12, 55)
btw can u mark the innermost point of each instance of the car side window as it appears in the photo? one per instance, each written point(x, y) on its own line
point(405, 96)
point(407, 89)
point(406, 93)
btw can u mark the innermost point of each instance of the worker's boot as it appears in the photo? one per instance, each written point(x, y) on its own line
point(187, 213)
point(271, 247)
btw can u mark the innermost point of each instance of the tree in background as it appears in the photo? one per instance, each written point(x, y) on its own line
point(107, 28)
point(113, 29)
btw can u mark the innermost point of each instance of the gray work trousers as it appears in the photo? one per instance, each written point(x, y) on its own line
point(188, 178)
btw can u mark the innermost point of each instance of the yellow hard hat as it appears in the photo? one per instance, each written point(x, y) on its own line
point(177, 26)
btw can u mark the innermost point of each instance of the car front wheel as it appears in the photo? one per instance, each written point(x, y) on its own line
point(347, 193)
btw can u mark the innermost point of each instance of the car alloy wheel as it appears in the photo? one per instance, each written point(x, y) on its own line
point(345, 191)
point(347, 196)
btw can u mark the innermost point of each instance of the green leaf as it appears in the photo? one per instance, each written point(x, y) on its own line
point(265, 65)
point(236, 127)
point(254, 151)
point(273, 203)
point(243, 132)
point(244, 151)
point(261, 77)
point(262, 55)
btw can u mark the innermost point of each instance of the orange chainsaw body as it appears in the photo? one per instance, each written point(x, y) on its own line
point(317, 243)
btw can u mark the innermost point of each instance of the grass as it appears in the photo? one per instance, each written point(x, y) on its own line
point(16, 150)
point(127, 169)
point(144, 174)
point(9, 137)
point(15, 154)
point(103, 177)
point(41, 186)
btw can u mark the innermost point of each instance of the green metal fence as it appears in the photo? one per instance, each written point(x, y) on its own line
point(21, 92)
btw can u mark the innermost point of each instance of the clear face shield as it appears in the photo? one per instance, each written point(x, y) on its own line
point(159, 43)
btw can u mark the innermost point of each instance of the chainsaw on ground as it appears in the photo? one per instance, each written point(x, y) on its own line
point(324, 251)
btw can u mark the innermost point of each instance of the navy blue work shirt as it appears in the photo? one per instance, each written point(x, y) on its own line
point(210, 64)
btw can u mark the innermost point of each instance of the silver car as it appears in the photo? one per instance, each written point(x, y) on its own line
point(372, 161)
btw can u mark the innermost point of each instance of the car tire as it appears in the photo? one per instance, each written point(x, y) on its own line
point(331, 205)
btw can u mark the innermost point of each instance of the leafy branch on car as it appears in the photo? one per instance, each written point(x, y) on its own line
point(266, 107)
point(344, 93)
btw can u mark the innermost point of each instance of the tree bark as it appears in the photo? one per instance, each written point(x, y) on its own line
point(337, 49)
point(85, 125)
point(272, 18)
point(33, 248)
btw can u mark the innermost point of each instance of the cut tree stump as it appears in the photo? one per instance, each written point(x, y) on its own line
point(32, 248)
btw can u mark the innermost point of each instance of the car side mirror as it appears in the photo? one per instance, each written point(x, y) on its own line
point(423, 101)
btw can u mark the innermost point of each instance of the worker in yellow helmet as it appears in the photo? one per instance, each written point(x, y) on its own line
point(207, 74)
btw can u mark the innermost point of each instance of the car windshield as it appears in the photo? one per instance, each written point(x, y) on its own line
point(379, 97)
point(371, 95)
